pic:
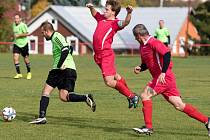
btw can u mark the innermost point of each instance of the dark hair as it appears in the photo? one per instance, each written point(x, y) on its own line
point(116, 7)
point(17, 14)
point(140, 29)
point(161, 20)
point(47, 26)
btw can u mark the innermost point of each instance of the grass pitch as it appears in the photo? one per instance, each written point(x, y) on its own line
point(112, 120)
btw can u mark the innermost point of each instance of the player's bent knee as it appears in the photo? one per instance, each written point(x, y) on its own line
point(63, 98)
point(109, 83)
point(144, 95)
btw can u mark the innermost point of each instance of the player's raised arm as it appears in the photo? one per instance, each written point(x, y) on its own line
point(127, 20)
point(92, 9)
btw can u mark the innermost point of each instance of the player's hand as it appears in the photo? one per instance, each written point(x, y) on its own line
point(89, 5)
point(63, 67)
point(161, 78)
point(129, 9)
point(137, 69)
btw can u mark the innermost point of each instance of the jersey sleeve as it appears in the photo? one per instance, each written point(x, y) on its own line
point(99, 17)
point(159, 47)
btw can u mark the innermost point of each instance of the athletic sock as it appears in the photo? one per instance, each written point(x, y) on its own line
point(17, 66)
point(28, 66)
point(147, 111)
point(124, 90)
point(72, 97)
point(123, 81)
point(43, 106)
point(194, 113)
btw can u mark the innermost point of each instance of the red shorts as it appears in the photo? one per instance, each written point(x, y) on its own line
point(168, 89)
point(106, 62)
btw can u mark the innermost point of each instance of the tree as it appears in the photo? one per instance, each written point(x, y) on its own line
point(39, 7)
point(201, 19)
point(5, 23)
point(124, 3)
point(75, 2)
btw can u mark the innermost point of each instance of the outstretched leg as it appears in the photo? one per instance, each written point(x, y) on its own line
point(17, 66)
point(28, 66)
point(190, 110)
point(146, 97)
point(120, 85)
point(47, 90)
point(75, 97)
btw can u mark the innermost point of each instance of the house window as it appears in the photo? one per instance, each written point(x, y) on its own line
point(33, 44)
point(74, 42)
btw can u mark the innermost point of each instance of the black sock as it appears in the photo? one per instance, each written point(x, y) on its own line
point(17, 66)
point(72, 97)
point(28, 66)
point(43, 106)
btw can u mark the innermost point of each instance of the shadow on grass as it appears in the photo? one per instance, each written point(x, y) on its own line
point(107, 125)
point(5, 77)
point(84, 123)
point(183, 133)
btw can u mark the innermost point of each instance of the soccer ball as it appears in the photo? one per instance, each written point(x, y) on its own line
point(8, 113)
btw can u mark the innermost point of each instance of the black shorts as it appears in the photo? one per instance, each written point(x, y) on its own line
point(62, 79)
point(23, 51)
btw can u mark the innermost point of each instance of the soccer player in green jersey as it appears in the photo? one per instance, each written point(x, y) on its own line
point(63, 74)
point(162, 33)
point(20, 31)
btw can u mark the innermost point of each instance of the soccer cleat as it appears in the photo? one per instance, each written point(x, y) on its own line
point(133, 102)
point(39, 121)
point(208, 126)
point(18, 76)
point(90, 102)
point(130, 103)
point(29, 76)
point(143, 130)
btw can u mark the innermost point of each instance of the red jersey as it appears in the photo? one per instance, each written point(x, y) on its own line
point(151, 53)
point(104, 33)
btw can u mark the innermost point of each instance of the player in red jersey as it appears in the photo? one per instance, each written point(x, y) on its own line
point(107, 26)
point(155, 57)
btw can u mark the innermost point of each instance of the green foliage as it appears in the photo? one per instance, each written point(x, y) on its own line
point(125, 3)
point(5, 23)
point(75, 2)
point(148, 3)
point(201, 19)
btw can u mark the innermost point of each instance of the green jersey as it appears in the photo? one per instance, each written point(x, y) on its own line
point(21, 28)
point(162, 34)
point(58, 42)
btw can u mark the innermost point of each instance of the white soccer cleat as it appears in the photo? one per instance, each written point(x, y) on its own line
point(208, 126)
point(90, 102)
point(143, 130)
point(39, 121)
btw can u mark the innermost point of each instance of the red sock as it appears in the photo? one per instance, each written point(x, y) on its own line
point(124, 90)
point(194, 113)
point(147, 111)
point(123, 81)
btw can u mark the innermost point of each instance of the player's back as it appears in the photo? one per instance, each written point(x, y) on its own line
point(152, 55)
